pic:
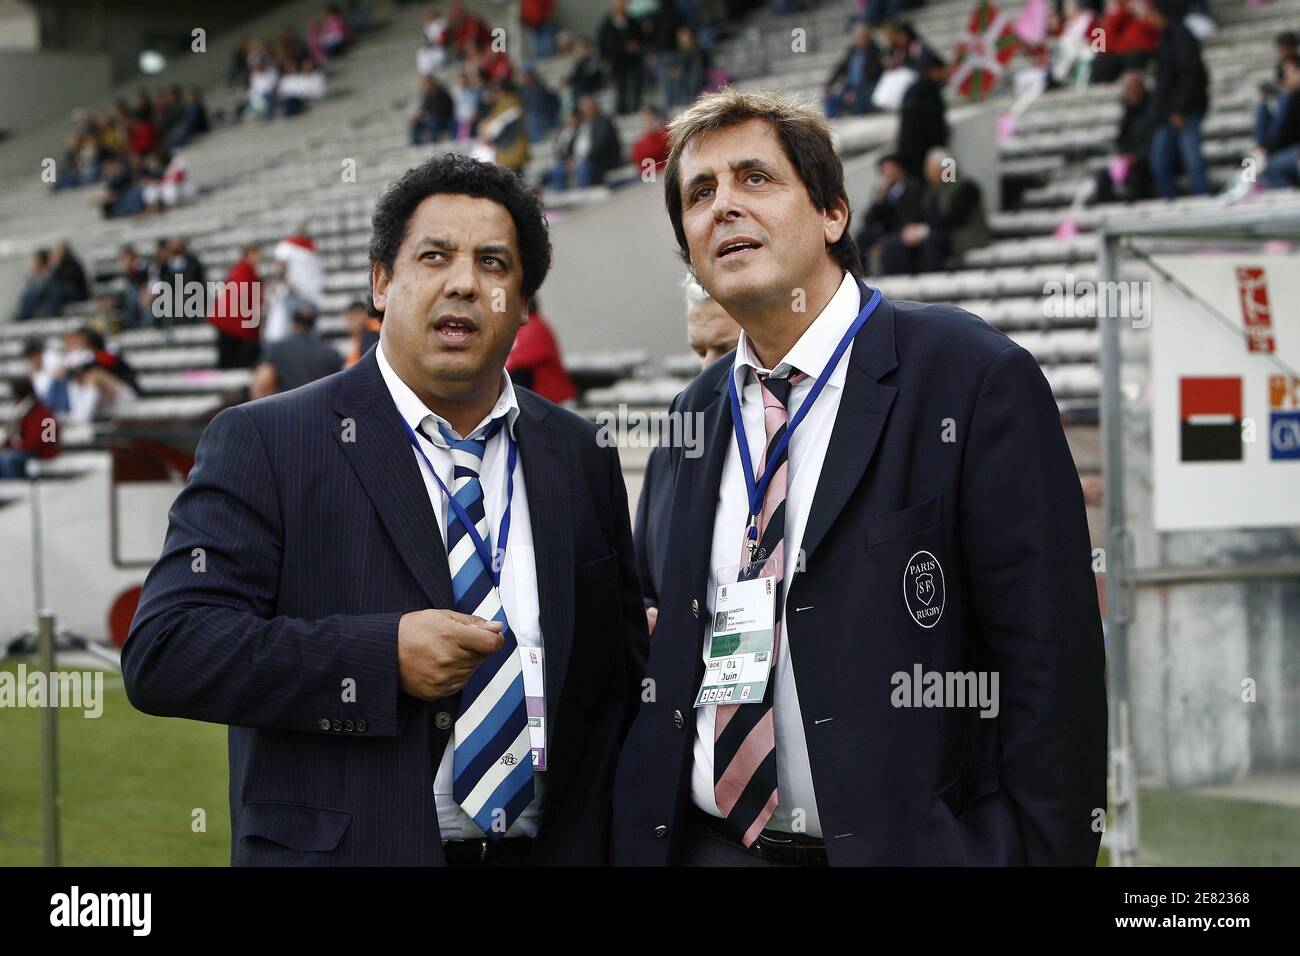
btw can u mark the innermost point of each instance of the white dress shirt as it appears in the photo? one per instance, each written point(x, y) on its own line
point(807, 452)
point(518, 570)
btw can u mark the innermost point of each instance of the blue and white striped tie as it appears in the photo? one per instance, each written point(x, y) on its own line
point(493, 765)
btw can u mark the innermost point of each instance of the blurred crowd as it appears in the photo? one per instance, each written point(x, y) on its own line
point(132, 150)
point(654, 54)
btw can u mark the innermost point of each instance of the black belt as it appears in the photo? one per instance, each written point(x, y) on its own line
point(772, 846)
point(486, 852)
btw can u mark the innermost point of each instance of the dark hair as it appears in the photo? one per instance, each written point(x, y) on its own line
point(805, 138)
point(357, 304)
point(1293, 60)
point(1286, 38)
point(457, 174)
point(21, 387)
point(33, 346)
point(1169, 9)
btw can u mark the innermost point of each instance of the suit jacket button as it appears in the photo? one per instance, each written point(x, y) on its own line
point(678, 719)
point(361, 726)
point(695, 606)
point(442, 720)
point(336, 724)
point(348, 726)
point(661, 832)
point(324, 723)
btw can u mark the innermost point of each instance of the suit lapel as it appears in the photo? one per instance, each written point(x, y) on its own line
point(548, 479)
point(374, 442)
point(859, 423)
point(698, 481)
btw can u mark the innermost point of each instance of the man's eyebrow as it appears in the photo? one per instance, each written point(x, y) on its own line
point(438, 242)
point(736, 166)
point(495, 248)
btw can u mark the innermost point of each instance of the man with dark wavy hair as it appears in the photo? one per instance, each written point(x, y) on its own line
point(878, 639)
point(409, 588)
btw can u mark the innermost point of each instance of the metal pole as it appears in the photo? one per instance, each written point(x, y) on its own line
point(50, 800)
point(38, 553)
point(1124, 846)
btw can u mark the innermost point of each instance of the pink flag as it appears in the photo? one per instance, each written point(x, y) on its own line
point(1031, 25)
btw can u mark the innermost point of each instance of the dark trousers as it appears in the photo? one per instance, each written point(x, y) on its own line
point(236, 353)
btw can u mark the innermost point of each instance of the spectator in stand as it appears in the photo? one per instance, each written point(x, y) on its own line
point(467, 102)
point(854, 78)
point(494, 66)
point(1072, 52)
point(1132, 33)
point(686, 72)
point(503, 133)
point(1286, 44)
point(42, 293)
point(430, 57)
point(263, 78)
point(299, 86)
point(465, 31)
point(952, 224)
point(1180, 101)
point(588, 148)
point(534, 361)
point(922, 119)
point(658, 21)
point(1128, 174)
point(538, 18)
point(99, 379)
point(123, 196)
point(68, 271)
point(621, 47)
point(237, 75)
point(434, 117)
point(134, 272)
point(192, 121)
point(651, 150)
point(172, 184)
point(1277, 130)
point(363, 329)
point(32, 431)
point(296, 360)
point(895, 204)
point(45, 369)
point(237, 312)
point(335, 35)
point(587, 75)
point(906, 48)
point(296, 279)
point(541, 104)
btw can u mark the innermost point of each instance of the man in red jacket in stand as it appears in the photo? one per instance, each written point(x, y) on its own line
point(237, 313)
point(534, 361)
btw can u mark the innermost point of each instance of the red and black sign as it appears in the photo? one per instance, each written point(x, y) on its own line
point(1256, 313)
point(1210, 415)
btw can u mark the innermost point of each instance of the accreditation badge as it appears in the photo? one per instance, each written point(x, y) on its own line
point(738, 649)
point(533, 663)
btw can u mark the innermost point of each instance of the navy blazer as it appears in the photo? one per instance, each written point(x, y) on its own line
point(303, 535)
point(947, 441)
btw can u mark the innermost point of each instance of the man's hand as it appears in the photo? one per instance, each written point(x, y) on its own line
point(438, 650)
point(1176, 120)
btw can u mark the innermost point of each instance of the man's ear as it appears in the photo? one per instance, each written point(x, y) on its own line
point(836, 218)
point(379, 279)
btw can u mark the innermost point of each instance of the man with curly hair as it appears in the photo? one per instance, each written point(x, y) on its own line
point(409, 588)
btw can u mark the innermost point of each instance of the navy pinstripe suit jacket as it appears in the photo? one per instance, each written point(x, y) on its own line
point(303, 535)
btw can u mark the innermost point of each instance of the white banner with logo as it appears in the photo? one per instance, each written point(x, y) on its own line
point(1226, 402)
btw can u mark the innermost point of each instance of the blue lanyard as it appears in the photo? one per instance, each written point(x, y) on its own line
point(757, 489)
point(484, 552)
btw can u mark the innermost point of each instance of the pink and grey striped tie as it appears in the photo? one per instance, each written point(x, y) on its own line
point(744, 747)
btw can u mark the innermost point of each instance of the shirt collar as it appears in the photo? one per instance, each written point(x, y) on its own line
point(414, 411)
point(814, 348)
